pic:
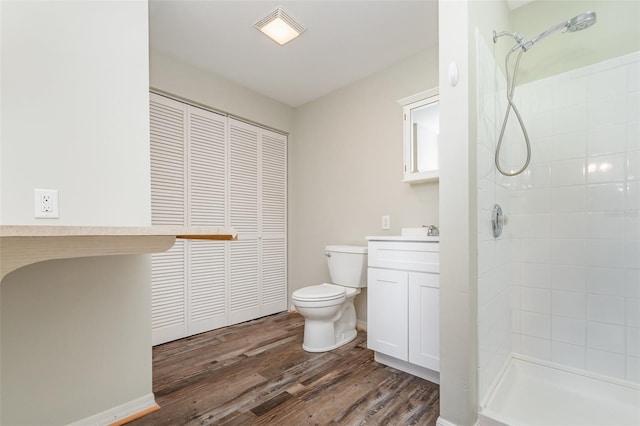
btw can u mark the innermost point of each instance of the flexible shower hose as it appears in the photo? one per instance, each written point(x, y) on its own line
point(511, 87)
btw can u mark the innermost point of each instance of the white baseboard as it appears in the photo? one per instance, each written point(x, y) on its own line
point(416, 370)
point(362, 325)
point(120, 412)
point(443, 422)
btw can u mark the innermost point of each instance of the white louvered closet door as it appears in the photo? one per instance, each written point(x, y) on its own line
point(273, 232)
point(244, 302)
point(168, 188)
point(207, 174)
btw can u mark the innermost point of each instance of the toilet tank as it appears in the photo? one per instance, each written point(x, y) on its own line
point(347, 265)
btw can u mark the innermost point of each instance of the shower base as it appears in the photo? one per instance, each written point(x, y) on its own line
point(533, 392)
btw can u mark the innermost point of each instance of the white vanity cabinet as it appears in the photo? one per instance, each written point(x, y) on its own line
point(403, 299)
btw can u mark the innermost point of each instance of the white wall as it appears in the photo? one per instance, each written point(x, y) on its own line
point(457, 253)
point(73, 89)
point(616, 33)
point(176, 78)
point(74, 85)
point(345, 169)
point(76, 338)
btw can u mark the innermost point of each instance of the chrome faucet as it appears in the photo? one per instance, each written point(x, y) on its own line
point(432, 230)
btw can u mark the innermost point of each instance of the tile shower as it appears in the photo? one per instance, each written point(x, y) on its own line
point(562, 284)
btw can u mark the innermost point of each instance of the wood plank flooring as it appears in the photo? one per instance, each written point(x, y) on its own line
point(257, 373)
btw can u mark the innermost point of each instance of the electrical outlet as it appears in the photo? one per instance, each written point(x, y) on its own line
point(386, 222)
point(45, 202)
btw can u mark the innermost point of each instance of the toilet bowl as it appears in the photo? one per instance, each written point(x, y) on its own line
point(327, 308)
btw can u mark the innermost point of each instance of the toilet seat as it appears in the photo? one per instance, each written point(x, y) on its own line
point(320, 293)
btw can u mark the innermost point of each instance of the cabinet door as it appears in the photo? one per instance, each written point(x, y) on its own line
point(424, 320)
point(387, 312)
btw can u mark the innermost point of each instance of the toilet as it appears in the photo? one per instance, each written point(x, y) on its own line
point(328, 311)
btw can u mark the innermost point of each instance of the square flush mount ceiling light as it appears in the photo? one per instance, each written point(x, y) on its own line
point(279, 26)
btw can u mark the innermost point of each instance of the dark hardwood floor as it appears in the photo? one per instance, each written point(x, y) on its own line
point(256, 373)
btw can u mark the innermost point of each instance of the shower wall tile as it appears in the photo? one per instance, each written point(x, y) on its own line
point(606, 197)
point(568, 304)
point(568, 172)
point(607, 168)
point(568, 93)
point(568, 199)
point(633, 77)
point(535, 250)
point(607, 281)
point(633, 342)
point(633, 107)
point(494, 257)
point(570, 225)
point(536, 176)
point(607, 309)
point(633, 136)
point(633, 199)
point(633, 283)
point(633, 312)
point(604, 225)
point(606, 337)
point(633, 369)
point(632, 252)
point(568, 252)
point(535, 347)
point(567, 146)
point(541, 154)
point(568, 278)
point(606, 84)
point(607, 140)
point(535, 300)
point(633, 165)
point(567, 354)
point(535, 325)
point(606, 363)
point(568, 330)
point(569, 120)
point(574, 232)
point(537, 275)
point(607, 253)
point(610, 111)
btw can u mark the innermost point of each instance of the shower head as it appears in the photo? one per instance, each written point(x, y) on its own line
point(582, 21)
point(577, 23)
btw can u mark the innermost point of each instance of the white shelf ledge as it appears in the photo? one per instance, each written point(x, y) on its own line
point(23, 245)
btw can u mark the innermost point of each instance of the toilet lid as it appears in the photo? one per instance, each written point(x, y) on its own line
point(320, 292)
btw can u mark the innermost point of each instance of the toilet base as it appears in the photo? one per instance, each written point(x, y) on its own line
point(348, 337)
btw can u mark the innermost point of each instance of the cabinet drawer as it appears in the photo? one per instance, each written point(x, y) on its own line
point(408, 256)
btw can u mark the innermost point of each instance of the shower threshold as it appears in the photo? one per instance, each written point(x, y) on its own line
point(534, 392)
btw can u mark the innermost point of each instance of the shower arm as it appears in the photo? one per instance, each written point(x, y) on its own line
point(521, 41)
point(561, 26)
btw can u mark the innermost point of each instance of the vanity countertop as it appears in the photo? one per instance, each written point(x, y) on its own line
point(421, 238)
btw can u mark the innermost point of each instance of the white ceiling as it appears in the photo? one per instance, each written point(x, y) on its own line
point(344, 41)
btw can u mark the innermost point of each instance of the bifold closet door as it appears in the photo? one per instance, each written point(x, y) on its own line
point(188, 187)
point(244, 203)
point(258, 210)
point(210, 170)
point(206, 206)
point(168, 129)
point(273, 222)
